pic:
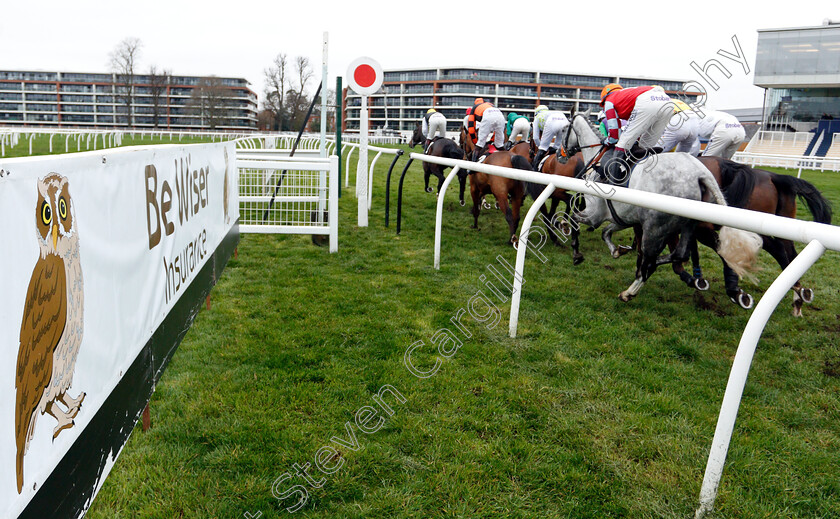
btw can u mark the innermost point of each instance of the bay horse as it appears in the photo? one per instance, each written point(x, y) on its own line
point(440, 147)
point(509, 193)
point(763, 191)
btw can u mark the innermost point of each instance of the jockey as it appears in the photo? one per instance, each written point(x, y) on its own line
point(724, 132)
point(647, 110)
point(482, 120)
point(548, 125)
point(681, 130)
point(517, 125)
point(434, 122)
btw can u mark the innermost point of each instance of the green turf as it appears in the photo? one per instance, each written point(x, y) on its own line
point(598, 409)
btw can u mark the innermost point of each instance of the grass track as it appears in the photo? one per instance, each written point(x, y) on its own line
point(598, 409)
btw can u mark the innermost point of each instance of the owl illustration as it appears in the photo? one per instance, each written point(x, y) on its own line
point(52, 325)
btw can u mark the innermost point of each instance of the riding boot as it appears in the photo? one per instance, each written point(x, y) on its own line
point(551, 150)
point(508, 145)
point(537, 158)
point(477, 152)
point(426, 145)
point(617, 168)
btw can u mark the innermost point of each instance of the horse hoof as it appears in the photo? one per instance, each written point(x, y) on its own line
point(429, 190)
point(496, 205)
point(797, 310)
point(700, 284)
point(486, 206)
point(807, 295)
point(624, 296)
point(577, 260)
point(462, 203)
point(616, 254)
point(743, 299)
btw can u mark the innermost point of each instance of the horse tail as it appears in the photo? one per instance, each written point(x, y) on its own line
point(737, 182)
point(520, 162)
point(819, 207)
point(531, 189)
point(739, 249)
point(452, 151)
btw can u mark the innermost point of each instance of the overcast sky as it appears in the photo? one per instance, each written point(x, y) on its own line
point(240, 39)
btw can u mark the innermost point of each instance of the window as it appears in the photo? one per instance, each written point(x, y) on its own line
point(40, 108)
point(108, 109)
point(104, 99)
point(11, 117)
point(76, 108)
point(412, 75)
point(515, 104)
point(76, 88)
point(496, 76)
point(70, 118)
point(86, 78)
point(517, 91)
point(41, 117)
point(558, 92)
point(468, 88)
point(10, 97)
point(42, 87)
point(424, 88)
point(51, 98)
point(569, 79)
point(107, 89)
point(75, 99)
point(590, 94)
point(10, 86)
point(11, 106)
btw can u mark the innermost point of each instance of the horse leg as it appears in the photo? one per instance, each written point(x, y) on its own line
point(615, 250)
point(645, 265)
point(476, 198)
point(783, 252)
point(427, 171)
point(678, 267)
point(440, 176)
point(462, 181)
point(502, 201)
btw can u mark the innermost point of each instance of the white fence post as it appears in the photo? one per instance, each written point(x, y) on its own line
point(333, 203)
point(741, 367)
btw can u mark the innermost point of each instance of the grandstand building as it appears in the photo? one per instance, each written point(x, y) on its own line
point(799, 68)
point(406, 94)
point(92, 100)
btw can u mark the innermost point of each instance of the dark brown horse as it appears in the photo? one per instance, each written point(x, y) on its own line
point(440, 147)
point(509, 193)
point(767, 192)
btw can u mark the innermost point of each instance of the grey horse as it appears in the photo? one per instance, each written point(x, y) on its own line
point(674, 174)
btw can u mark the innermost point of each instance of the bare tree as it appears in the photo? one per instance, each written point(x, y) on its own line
point(275, 90)
point(123, 63)
point(158, 81)
point(207, 101)
point(285, 98)
point(298, 97)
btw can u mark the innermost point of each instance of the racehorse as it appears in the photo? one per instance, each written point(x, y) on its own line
point(673, 174)
point(560, 163)
point(767, 192)
point(440, 147)
point(509, 193)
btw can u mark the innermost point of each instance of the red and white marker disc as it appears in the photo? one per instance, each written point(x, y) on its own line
point(364, 76)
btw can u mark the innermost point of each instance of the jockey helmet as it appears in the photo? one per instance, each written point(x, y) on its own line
point(541, 108)
point(431, 111)
point(612, 87)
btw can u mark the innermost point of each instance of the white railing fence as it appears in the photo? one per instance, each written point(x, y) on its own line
point(819, 237)
point(279, 194)
point(779, 150)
